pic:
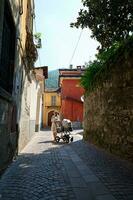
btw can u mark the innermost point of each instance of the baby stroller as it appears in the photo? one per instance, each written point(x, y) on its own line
point(64, 129)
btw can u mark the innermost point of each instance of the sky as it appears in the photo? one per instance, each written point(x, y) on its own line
point(53, 18)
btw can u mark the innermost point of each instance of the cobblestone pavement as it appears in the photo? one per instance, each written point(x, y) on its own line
point(115, 174)
point(75, 171)
point(37, 174)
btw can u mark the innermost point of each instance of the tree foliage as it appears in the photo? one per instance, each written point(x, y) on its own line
point(99, 68)
point(109, 20)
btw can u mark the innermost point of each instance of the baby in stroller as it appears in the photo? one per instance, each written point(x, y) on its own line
point(64, 128)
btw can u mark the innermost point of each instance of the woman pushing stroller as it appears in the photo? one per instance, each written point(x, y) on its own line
point(64, 127)
point(54, 119)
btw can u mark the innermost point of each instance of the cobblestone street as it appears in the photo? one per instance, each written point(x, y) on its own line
point(48, 171)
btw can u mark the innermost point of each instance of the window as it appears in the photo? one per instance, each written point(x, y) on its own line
point(53, 100)
point(8, 50)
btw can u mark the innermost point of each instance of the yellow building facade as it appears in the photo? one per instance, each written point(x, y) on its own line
point(51, 103)
point(18, 54)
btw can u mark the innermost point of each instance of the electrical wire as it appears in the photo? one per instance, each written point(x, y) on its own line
point(70, 62)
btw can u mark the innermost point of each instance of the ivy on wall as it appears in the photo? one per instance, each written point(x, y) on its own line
point(31, 51)
point(99, 68)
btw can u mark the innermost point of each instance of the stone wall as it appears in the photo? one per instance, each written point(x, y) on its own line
point(108, 111)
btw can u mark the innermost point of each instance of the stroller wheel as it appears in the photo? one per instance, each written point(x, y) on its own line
point(57, 139)
point(64, 138)
point(67, 140)
point(71, 139)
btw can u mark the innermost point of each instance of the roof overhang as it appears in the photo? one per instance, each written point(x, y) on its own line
point(44, 73)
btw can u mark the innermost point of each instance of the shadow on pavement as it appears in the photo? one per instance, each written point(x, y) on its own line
point(42, 173)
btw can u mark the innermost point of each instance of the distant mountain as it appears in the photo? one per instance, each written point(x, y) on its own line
point(52, 81)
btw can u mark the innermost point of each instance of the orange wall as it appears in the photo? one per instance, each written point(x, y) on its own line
point(72, 110)
point(71, 92)
point(72, 88)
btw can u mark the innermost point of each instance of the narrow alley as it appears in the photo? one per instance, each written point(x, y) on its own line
point(66, 100)
point(78, 170)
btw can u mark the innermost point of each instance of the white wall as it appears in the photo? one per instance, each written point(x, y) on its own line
point(33, 99)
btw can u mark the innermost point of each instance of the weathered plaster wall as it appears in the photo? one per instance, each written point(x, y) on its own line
point(8, 137)
point(28, 111)
point(108, 111)
point(20, 123)
point(34, 87)
point(25, 116)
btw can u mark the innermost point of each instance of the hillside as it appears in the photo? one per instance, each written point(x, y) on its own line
point(52, 81)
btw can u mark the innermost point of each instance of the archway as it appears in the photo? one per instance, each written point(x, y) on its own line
point(50, 115)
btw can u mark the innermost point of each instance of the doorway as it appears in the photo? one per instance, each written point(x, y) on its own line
point(49, 117)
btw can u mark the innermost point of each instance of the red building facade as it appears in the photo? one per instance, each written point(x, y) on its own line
point(71, 92)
